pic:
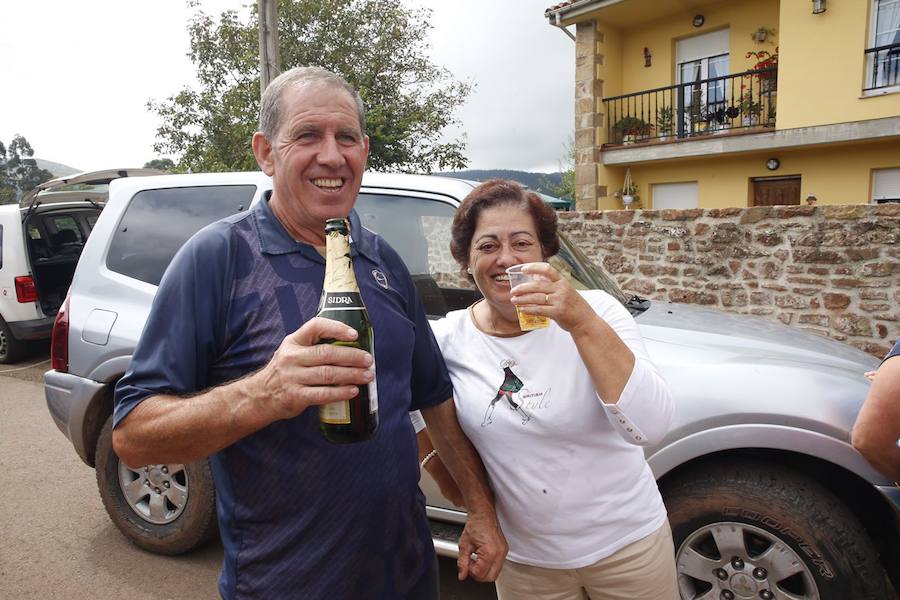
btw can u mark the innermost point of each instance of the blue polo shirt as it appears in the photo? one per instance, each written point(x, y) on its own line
point(299, 517)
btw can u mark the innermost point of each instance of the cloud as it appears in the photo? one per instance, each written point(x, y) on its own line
point(77, 77)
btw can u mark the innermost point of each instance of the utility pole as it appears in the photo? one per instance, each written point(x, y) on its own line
point(269, 61)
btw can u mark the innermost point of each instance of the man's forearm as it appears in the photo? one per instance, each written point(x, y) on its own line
point(459, 456)
point(176, 429)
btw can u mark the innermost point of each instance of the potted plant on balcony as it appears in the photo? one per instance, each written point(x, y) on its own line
point(630, 129)
point(629, 190)
point(750, 109)
point(665, 122)
point(765, 60)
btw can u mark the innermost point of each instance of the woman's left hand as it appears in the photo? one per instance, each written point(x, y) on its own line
point(553, 296)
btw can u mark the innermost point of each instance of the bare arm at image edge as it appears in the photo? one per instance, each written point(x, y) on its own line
point(482, 546)
point(877, 427)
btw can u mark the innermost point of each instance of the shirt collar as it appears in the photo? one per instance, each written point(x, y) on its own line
point(274, 238)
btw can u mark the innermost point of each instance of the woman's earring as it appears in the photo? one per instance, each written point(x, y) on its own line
point(469, 270)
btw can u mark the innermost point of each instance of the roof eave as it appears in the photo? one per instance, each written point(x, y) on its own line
point(569, 14)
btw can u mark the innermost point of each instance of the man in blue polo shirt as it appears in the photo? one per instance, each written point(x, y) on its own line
point(228, 367)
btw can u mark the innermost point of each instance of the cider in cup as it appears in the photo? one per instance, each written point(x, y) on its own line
point(527, 321)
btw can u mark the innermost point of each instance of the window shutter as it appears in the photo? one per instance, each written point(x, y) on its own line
point(886, 185)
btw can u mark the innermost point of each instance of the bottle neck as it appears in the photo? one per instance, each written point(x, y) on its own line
point(339, 275)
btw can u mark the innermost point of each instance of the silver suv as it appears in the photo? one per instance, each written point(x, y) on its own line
point(766, 497)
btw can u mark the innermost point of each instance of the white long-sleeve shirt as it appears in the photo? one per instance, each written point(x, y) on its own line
point(570, 478)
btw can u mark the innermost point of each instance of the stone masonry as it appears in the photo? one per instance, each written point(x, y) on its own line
point(833, 270)
point(587, 89)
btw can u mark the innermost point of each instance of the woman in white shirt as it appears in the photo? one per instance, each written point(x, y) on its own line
point(558, 415)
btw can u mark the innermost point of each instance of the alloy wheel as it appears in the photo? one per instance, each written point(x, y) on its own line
point(737, 561)
point(157, 493)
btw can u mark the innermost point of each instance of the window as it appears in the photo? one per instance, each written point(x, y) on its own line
point(675, 195)
point(885, 186)
point(158, 222)
point(700, 58)
point(419, 230)
point(883, 54)
point(64, 231)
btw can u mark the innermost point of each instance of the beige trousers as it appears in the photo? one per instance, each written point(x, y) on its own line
point(643, 570)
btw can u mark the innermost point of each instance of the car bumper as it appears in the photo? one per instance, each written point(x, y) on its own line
point(35, 329)
point(72, 402)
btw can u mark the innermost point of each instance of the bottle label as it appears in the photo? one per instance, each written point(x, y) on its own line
point(336, 413)
point(341, 301)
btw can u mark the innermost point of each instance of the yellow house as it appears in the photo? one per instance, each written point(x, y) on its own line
point(724, 103)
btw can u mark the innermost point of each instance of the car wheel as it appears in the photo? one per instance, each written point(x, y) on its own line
point(11, 349)
point(748, 529)
point(167, 509)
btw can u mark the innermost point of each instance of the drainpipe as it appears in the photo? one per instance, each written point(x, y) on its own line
point(561, 27)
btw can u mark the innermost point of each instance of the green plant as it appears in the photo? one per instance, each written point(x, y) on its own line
point(748, 105)
point(630, 189)
point(632, 126)
point(665, 120)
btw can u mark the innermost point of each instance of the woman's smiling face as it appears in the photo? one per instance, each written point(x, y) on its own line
point(504, 236)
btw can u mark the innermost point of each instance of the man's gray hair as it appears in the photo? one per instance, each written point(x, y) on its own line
point(270, 106)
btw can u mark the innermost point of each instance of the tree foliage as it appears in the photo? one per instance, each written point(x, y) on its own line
point(566, 187)
point(379, 46)
point(162, 164)
point(19, 172)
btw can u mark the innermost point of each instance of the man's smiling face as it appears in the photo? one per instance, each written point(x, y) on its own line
point(317, 158)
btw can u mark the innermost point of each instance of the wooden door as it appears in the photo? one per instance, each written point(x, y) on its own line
point(775, 191)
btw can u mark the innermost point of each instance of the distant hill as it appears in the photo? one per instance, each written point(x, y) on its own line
point(539, 182)
point(58, 169)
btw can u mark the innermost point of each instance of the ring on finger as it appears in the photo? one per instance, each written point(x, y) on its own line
point(546, 298)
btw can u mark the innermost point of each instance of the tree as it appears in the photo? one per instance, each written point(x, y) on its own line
point(162, 164)
point(379, 46)
point(19, 172)
point(566, 187)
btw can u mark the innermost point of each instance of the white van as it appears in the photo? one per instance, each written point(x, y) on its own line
point(41, 239)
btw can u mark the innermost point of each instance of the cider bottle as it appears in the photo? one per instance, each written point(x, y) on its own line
point(353, 420)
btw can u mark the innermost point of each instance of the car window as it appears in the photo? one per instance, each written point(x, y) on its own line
point(158, 222)
point(419, 230)
point(92, 220)
point(63, 230)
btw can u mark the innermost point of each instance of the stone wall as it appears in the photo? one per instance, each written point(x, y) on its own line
point(831, 269)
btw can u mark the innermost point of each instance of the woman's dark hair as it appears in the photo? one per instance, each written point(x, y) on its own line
point(501, 192)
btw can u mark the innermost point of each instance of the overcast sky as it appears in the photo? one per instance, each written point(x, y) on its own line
point(75, 77)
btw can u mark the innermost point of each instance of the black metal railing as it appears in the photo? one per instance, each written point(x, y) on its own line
point(703, 107)
point(883, 65)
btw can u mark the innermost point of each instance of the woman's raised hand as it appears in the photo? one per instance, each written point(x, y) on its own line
point(553, 296)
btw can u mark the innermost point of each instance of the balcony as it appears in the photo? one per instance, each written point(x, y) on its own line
point(883, 67)
point(737, 103)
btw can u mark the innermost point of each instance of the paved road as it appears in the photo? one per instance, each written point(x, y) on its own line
point(55, 538)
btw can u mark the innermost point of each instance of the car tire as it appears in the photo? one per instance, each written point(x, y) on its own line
point(751, 528)
point(166, 509)
point(11, 349)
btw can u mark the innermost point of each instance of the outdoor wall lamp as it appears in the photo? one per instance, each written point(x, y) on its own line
point(818, 7)
point(772, 164)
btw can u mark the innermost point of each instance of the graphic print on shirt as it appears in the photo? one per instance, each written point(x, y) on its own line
point(511, 385)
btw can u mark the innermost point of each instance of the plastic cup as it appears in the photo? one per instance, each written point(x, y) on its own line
point(527, 321)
